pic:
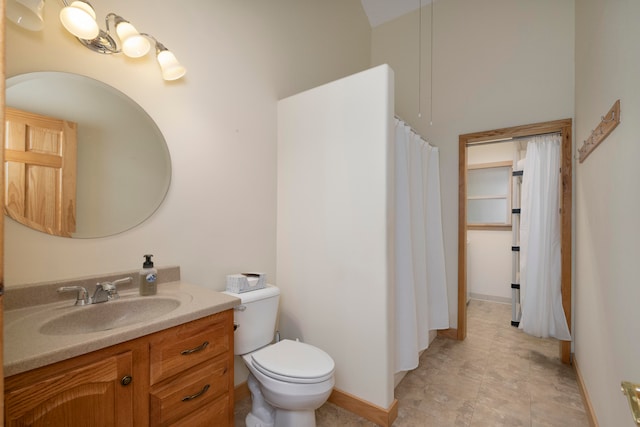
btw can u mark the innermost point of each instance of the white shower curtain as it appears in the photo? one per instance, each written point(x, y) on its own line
point(540, 268)
point(420, 289)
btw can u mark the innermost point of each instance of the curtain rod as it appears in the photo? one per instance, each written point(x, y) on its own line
point(515, 138)
point(415, 131)
point(409, 126)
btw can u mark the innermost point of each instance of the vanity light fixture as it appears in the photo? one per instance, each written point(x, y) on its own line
point(79, 18)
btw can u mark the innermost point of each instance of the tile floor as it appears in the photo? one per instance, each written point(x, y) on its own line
point(498, 376)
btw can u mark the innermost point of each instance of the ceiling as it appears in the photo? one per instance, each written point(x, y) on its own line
point(381, 11)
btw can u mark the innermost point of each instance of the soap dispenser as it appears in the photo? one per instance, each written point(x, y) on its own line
point(148, 277)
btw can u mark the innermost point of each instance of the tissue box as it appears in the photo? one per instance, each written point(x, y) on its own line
point(245, 282)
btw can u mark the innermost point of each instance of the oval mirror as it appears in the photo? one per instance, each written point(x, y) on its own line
point(123, 168)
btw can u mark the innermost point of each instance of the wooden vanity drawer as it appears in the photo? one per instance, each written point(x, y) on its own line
point(184, 346)
point(213, 415)
point(179, 398)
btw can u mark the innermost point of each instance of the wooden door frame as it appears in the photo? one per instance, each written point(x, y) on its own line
point(2, 105)
point(564, 128)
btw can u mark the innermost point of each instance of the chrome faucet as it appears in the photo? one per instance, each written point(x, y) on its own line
point(105, 291)
point(82, 297)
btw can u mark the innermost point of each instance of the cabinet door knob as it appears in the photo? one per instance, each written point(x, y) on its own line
point(195, 350)
point(126, 380)
point(198, 394)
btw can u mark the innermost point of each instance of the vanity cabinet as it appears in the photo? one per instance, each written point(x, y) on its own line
point(181, 376)
point(191, 373)
point(92, 394)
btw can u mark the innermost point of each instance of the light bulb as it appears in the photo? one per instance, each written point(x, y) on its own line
point(134, 45)
point(171, 68)
point(79, 19)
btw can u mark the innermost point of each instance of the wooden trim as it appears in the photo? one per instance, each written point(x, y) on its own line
point(2, 136)
point(607, 124)
point(588, 407)
point(564, 127)
point(376, 414)
point(516, 131)
point(448, 333)
point(241, 392)
point(1, 336)
point(566, 235)
point(462, 238)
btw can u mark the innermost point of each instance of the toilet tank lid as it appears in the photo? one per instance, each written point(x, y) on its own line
point(267, 292)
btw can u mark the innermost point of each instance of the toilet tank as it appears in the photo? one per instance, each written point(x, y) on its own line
point(256, 318)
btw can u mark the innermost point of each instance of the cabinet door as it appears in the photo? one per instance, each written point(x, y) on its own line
point(90, 395)
point(40, 171)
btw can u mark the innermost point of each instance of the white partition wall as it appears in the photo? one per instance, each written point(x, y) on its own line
point(333, 227)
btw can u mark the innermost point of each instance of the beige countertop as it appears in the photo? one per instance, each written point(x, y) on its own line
point(26, 346)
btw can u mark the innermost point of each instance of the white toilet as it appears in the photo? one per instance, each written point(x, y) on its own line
point(288, 380)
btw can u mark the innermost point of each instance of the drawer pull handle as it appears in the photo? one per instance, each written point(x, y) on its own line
point(126, 380)
point(198, 394)
point(195, 350)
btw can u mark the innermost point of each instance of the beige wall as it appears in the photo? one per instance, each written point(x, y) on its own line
point(219, 122)
point(607, 347)
point(496, 63)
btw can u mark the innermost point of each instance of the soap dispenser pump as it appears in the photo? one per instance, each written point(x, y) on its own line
point(148, 277)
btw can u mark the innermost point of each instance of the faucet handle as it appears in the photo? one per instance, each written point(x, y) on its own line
point(110, 289)
point(106, 286)
point(123, 280)
point(82, 296)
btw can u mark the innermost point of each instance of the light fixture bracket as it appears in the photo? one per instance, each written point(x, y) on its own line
point(104, 43)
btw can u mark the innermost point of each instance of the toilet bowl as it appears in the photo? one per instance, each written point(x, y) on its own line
point(294, 378)
point(288, 379)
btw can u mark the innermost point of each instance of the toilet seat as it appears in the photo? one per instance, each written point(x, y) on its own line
point(294, 362)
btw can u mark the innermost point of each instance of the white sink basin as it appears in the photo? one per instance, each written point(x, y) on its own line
point(109, 315)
